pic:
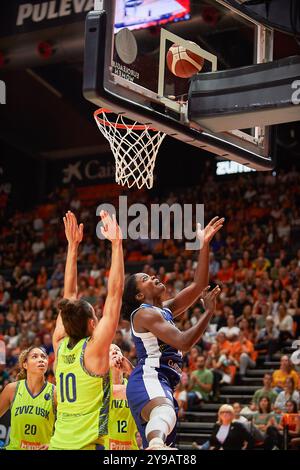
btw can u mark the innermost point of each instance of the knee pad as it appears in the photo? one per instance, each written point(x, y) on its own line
point(162, 418)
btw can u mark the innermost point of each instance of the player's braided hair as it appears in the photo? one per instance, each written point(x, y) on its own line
point(130, 301)
point(23, 358)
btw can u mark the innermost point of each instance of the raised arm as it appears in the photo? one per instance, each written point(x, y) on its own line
point(74, 234)
point(191, 293)
point(97, 353)
point(169, 334)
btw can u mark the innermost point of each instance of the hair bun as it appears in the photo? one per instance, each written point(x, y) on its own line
point(63, 304)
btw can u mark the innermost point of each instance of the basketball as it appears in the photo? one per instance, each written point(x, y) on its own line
point(182, 62)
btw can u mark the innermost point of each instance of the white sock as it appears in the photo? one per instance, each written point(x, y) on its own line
point(156, 441)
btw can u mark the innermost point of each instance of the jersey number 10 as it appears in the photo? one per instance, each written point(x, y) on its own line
point(68, 387)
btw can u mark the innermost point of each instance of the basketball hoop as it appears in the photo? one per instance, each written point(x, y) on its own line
point(135, 147)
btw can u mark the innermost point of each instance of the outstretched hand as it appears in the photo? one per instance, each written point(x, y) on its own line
point(210, 298)
point(110, 230)
point(118, 361)
point(115, 359)
point(205, 235)
point(73, 231)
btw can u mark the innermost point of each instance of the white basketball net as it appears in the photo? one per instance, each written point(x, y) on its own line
point(134, 146)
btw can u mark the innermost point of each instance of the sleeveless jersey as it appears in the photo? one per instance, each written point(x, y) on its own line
point(32, 417)
point(82, 400)
point(121, 426)
point(154, 353)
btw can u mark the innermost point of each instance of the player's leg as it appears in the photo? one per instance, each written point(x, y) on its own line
point(161, 419)
point(151, 403)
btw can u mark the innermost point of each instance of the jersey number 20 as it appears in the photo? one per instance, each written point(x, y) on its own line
point(68, 387)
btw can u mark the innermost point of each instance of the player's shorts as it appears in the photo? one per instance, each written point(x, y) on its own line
point(144, 384)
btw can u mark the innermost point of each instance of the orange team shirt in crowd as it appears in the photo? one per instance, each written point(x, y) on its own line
point(280, 376)
point(225, 275)
point(240, 274)
point(285, 281)
point(237, 348)
point(259, 272)
point(42, 279)
point(192, 364)
point(290, 420)
point(225, 346)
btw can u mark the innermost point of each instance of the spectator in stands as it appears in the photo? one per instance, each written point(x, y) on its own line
point(243, 352)
point(239, 305)
point(49, 320)
point(231, 330)
point(55, 289)
point(42, 278)
point(223, 366)
point(47, 344)
point(58, 275)
point(195, 315)
point(229, 434)
point(263, 420)
point(289, 424)
point(12, 337)
point(212, 363)
point(280, 375)
point(11, 358)
point(26, 281)
point(95, 273)
point(247, 314)
point(265, 391)
point(246, 329)
point(288, 394)
point(214, 266)
point(285, 325)
point(267, 338)
point(240, 273)
point(13, 316)
point(38, 246)
point(261, 310)
point(38, 224)
point(201, 381)
point(224, 344)
point(190, 360)
point(226, 273)
point(237, 415)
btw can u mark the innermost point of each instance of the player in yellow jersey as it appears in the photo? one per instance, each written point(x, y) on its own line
point(122, 429)
point(81, 345)
point(32, 402)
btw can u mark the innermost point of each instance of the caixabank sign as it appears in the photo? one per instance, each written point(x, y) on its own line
point(21, 16)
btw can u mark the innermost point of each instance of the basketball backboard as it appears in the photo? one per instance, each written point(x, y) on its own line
point(126, 71)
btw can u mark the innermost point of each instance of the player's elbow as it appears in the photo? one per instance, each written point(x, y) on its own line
point(185, 345)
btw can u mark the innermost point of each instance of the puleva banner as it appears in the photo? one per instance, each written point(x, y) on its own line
point(22, 16)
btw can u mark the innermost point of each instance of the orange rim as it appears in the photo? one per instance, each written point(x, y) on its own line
point(105, 122)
